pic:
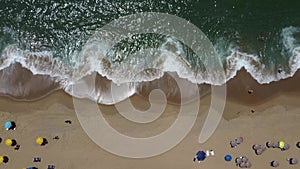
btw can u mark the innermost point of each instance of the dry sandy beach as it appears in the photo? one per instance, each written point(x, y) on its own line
point(276, 118)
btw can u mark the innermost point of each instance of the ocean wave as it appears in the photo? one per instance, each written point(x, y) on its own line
point(141, 74)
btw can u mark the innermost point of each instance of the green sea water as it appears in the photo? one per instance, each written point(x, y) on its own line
point(268, 30)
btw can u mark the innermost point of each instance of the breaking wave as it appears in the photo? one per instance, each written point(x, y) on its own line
point(28, 75)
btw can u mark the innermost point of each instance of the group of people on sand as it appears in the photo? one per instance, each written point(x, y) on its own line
point(244, 162)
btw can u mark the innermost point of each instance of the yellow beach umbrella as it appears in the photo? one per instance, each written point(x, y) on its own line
point(1, 159)
point(8, 142)
point(281, 144)
point(39, 141)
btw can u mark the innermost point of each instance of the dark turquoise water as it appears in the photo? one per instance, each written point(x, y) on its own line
point(260, 35)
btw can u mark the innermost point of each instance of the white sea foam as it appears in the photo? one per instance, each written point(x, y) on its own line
point(127, 77)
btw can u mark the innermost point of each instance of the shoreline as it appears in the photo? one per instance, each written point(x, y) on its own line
point(275, 118)
point(21, 84)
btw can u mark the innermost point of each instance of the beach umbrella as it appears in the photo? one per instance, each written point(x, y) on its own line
point(270, 144)
point(233, 143)
point(3, 159)
point(245, 164)
point(293, 161)
point(286, 147)
point(281, 144)
point(256, 147)
point(274, 164)
point(238, 160)
point(10, 142)
point(298, 144)
point(245, 159)
point(201, 155)
point(248, 165)
point(239, 140)
point(7, 125)
point(228, 158)
point(39, 141)
point(276, 145)
point(259, 151)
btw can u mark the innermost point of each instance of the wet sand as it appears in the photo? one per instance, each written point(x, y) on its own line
point(276, 117)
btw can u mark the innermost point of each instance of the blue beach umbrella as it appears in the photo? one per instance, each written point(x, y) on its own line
point(8, 125)
point(201, 155)
point(228, 158)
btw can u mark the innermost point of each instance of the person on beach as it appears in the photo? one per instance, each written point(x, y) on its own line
point(250, 91)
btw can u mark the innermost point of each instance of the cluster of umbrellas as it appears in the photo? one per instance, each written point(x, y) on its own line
point(243, 162)
point(281, 145)
point(11, 125)
point(259, 149)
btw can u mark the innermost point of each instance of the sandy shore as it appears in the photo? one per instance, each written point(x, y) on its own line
point(276, 117)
